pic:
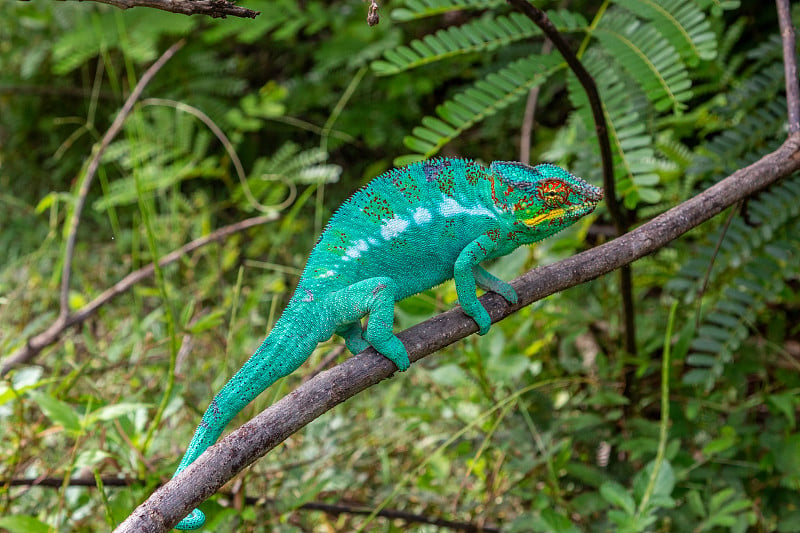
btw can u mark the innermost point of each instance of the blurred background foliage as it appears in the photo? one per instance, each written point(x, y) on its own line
point(531, 428)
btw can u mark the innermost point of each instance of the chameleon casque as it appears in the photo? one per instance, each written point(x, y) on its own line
point(406, 231)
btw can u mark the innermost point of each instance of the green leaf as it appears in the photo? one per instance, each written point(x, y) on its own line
point(89, 458)
point(110, 412)
point(57, 411)
point(617, 495)
point(207, 322)
point(23, 524)
point(485, 98)
point(784, 404)
point(726, 441)
point(558, 523)
point(650, 59)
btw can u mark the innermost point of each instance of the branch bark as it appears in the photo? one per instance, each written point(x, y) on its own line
point(789, 65)
point(211, 8)
point(618, 215)
point(217, 465)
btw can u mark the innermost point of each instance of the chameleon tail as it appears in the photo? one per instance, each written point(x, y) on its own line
point(282, 352)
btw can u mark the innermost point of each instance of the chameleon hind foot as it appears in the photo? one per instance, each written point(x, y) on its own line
point(193, 520)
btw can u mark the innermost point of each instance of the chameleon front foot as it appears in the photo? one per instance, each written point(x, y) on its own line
point(193, 520)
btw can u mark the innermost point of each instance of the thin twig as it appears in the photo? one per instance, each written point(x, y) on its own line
point(530, 112)
point(38, 342)
point(789, 65)
point(57, 482)
point(94, 164)
point(221, 462)
point(409, 518)
point(539, 18)
point(333, 509)
point(615, 210)
point(212, 8)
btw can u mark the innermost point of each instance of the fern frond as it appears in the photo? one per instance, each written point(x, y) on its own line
point(650, 59)
point(739, 145)
point(728, 324)
point(417, 9)
point(139, 38)
point(635, 162)
point(486, 33)
point(682, 23)
point(307, 166)
point(765, 82)
point(718, 6)
point(485, 98)
point(175, 152)
point(750, 270)
point(768, 213)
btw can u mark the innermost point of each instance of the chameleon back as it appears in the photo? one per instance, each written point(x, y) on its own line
point(406, 231)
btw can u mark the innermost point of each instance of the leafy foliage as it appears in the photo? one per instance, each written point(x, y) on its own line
point(484, 34)
point(472, 105)
point(526, 429)
point(415, 9)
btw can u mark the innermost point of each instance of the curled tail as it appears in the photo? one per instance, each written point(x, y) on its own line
point(287, 347)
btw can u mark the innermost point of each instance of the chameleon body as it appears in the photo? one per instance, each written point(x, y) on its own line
point(406, 231)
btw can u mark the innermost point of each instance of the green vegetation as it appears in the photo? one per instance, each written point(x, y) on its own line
point(545, 424)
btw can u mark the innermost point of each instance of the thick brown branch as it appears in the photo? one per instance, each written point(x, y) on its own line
point(789, 65)
point(212, 8)
point(38, 342)
point(231, 455)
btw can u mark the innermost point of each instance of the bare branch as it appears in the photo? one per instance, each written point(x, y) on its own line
point(333, 509)
point(221, 462)
point(618, 215)
point(526, 131)
point(789, 65)
point(539, 18)
point(212, 8)
point(39, 342)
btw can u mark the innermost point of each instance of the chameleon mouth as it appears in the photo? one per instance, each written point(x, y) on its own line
point(561, 213)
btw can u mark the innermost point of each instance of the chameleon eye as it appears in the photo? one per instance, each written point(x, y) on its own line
point(553, 193)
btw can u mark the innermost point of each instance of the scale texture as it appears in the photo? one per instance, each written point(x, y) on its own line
point(406, 231)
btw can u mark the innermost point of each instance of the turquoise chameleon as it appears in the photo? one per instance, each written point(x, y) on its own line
point(406, 231)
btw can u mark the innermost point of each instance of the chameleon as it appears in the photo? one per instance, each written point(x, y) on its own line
point(406, 231)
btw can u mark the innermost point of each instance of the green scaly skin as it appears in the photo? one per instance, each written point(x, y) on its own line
point(408, 230)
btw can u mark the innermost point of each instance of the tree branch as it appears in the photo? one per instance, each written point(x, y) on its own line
point(618, 215)
point(328, 508)
point(38, 342)
point(540, 18)
point(789, 65)
point(212, 8)
point(221, 462)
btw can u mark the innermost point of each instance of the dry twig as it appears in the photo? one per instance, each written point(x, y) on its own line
point(211, 8)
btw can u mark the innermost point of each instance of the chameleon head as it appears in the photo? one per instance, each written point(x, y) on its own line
point(544, 198)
